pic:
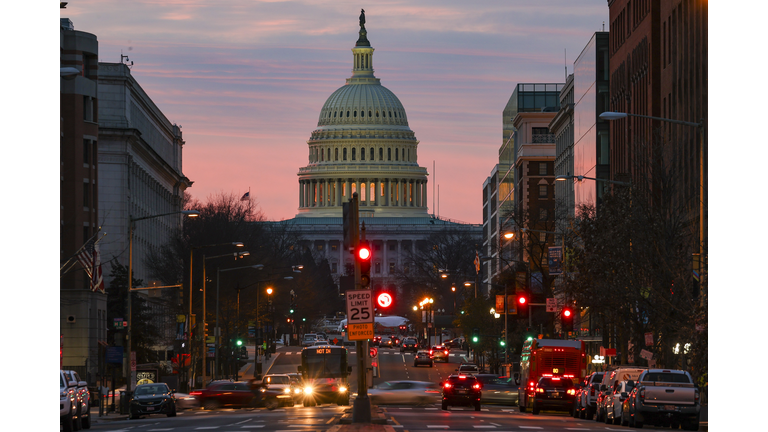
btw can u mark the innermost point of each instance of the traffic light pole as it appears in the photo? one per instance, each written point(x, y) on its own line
point(361, 410)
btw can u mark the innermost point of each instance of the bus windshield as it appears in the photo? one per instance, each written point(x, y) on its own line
point(324, 362)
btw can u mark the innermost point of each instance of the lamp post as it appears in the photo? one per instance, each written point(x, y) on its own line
point(271, 317)
point(216, 331)
point(131, 222)
point(702, 126)
point(189, 318)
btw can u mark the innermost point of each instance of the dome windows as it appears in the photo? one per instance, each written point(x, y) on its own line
point(362, 113)
point(377, 113)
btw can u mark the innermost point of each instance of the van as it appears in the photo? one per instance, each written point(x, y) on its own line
point(309, 339)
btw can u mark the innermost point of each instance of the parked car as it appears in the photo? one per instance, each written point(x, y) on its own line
point(496, 389)
point(586, 400)
point(67, 402)
point(405, 392)
point(627, 409)
point(553, 393)
point(621, 373)
point(615, 401)
point(461, 389)
point(82, 417)
point(665, 397)
point(440, 353)
point(154, 398)
point(409, 344)
point(423, 357)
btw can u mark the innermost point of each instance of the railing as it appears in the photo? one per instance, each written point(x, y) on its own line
point(543, 138)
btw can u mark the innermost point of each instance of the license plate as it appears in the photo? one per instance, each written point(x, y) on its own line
point(461, 391)
point(150, 408)
point(669, 407)
point(555, 395)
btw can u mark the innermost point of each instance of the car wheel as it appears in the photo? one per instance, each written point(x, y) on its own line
point(344, 401)
point(210, 404)
point(624, 419)
point(86, 422)
point(132, 416)
point(445, 406)
point(271, 403)
point(431, 364)
point(607, 420)
point(477, 406)
point(521, 406)
point(306, 403)
point(415, 364)
point(535, 409)
point(616, 420)
point(638, 424)
point(691, 425)
point(172, 412)
point(66, 423)
point(77, 423)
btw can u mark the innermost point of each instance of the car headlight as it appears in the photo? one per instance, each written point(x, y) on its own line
point(308, 390)
point(263, 390)
point(342, 389)
point(297, 390)
point(286, 390)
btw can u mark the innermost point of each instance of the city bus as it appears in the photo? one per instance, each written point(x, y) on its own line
point(564, 359)
point(324, 371)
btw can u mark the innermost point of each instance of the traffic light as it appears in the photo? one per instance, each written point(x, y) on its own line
point(523, 302)
point(363, 257)
point(205, 330)
point(502, 343)
point(566, 319)
point(475, 335)
point(239, 342)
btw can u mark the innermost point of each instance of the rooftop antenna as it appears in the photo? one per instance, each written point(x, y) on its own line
point(565, 63)
point(603, 25)
point(124, 60)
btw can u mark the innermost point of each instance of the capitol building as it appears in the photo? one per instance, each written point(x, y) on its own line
point(362, 144)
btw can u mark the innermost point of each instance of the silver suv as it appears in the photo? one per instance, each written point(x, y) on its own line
point(80, 401)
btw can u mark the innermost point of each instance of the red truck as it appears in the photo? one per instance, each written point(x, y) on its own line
point(665, 397)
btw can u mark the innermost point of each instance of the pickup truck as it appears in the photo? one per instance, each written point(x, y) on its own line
point(665, 397)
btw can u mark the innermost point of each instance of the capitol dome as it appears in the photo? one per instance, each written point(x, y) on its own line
point(362, 144)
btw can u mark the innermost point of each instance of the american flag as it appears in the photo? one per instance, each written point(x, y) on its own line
point(91, 262)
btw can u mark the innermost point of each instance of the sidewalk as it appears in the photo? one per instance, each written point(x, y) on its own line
point(245, 374)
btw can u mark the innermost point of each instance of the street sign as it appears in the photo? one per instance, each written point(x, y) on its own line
point(646, 354)
point(335, 340)
point(649, 339)
point(359, 307)
point(114, 355)
point(555, 260)
point(359, 332)
point(552, 304)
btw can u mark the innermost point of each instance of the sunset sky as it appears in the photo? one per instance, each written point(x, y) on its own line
point(246, 79)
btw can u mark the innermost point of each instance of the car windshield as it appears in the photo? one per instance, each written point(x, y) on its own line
point(384, 386)
point(278, 380)
point(666, 377)
point(154, 389)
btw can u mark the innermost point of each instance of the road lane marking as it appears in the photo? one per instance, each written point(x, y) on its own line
point(484, 427)
point(529, 427)
point(244, 421)
point(586, 429)
point(437, 426)
point(159, 430)
point(495, 424)
point(251, 426)
point(207, 427)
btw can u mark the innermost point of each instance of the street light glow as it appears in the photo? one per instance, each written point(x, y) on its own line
point(269, 291)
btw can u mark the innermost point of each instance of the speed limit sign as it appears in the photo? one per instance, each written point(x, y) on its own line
point(359, 306)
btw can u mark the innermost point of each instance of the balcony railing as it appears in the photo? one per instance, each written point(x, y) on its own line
point(542, 138)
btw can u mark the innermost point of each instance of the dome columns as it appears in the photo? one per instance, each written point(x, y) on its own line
point(333, 192)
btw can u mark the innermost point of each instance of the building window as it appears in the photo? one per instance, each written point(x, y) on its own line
point(391, 268)
point(389, 154)
point(86, 152)
point(377, 247)
point(354, 151)
point(345, 153)
point(337, 156)
point(397, 153)
point(377, 268)
point(86, 195)
point(362, 154)
point(542, 168)
point(542, 191)
point(334, 268)
point(542, 237)
point(319, 248)
point(381, 153)
point(371, 158)
point(333, 248)
point(542, 214)
point(391, 246)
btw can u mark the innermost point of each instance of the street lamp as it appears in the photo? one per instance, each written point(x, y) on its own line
point(702, 126)
point(131, 222)
point(189, 318)
point(216, 331)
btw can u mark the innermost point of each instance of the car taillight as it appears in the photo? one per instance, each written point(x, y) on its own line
point(446, 352)
point(696, 396)
point(571, 392)
point(430, 352)
point(447, 385)
point(195, 393)
point(539, 390)
point(476, 386)
point(642, 394)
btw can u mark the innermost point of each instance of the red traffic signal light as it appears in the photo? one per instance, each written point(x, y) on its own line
point(567, 313)
point(566, 319)
point(522, 304)
point(363, 257)
point(522, 300)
